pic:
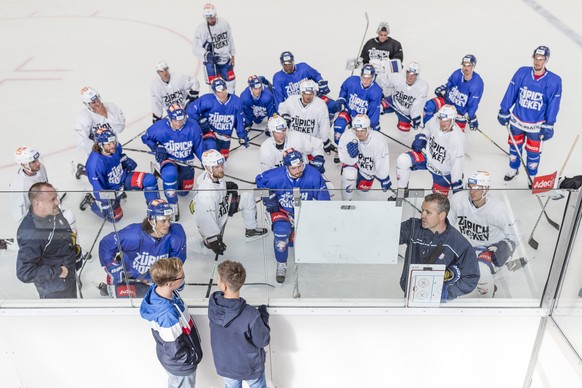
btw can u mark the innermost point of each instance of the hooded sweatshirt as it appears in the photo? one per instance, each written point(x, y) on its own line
point(238, 334)
point(177, 340)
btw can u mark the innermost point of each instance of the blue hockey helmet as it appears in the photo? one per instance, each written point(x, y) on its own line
point(104, 136)
point(286, 57)
point(159, 208)
point(176, 112)
point(292, 157)
point(368, 70)
point(542, 50)
point(469, 58)
point(255, 82)
point(218, 85)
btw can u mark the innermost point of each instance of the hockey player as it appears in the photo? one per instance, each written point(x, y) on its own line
point(382, 47)
point(364, 155)
point(464, 90)
point(358, 95)
point(257, 102)
point(535, 94)
point(211, 206)
point(407, 98)
point(271, 151)
point(127, 255)
point(286, 81)
point(218, 115)
point(281, 181)
point(440, 149)
point(487, 224)
point(174, 143)
point(214, 45)
point(171, 88)
point(30, 171)
point(108, 168)
point(308, 114)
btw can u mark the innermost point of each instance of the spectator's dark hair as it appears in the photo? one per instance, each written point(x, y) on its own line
point(443, 204)
point(37, 189)
point(166, 270)
point(233, 274)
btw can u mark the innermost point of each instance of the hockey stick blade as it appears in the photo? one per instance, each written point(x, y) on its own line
point(533, 243)
point(516, 264)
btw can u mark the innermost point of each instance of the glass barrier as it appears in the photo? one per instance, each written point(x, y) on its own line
point(341, 252)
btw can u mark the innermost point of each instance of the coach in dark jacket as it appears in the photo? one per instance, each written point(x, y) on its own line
point(47, 252)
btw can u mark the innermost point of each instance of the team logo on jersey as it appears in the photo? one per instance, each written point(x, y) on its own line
point(404, 99)
point(458, 98)
point(473, 230)
point(144, 260)
point(220, 40)
point(530, 100)
point(358, 104)
point(366, 163)
point(114, 176)
point(259, 111)
point(303, 125)
point(179, 149)
point(221, 122)
point(437, 151)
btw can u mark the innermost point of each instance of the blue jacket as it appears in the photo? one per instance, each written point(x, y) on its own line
point(238, 335)
point(177, 340)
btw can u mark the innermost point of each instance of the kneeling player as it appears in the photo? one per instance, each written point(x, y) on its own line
point(257, 102)
point(489, 227)
point(128, 254)
point(364, 155)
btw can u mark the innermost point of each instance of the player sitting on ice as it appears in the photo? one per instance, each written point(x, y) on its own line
point(464, 90)
point(215, 200)
point(364, 155)
point(407, 98)
point(171, 88)
point(174, 143)
point(440, 149)
point(109, 169)
point(218, 114)
point(271, 151)
point(489, 227)
point(257, 102)
point(127, 255)
point(280, 182)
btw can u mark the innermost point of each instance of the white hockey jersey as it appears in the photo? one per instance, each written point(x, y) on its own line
point(222, 41)
point(482, 226)
point(312, 119)
point(407, 99)
point(19, 187)
point(373, 159)
point(270, 156)
point(175, 91)
point(445, 151)
point(88, 122)
point(210, 205)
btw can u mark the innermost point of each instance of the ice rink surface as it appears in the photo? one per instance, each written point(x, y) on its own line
point(52, 49)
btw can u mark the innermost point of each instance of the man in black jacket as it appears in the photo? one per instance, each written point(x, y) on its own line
point(48, 251)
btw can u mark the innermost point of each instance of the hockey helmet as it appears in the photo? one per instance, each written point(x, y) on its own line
point(480, 178)
point(542, 50)
point(161, 66)
point(286, 57)
point(413, 67)
point(208, 11)
point(255, 82)
point(89, 95)
point(24, 155)
point(211, 158)
point(447, 112)
point(308, 86)
point(361, 122)
point(383, 26)
point(469, 58)
point(176, 112)
point(292, 158)
point(159, 208)
point(368, 70)
point(104, 136)
point(277, 124)
point(218, 85)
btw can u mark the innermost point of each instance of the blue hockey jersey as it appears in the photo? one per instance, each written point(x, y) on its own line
point(256, 110)
point(105, 172)
point(140, 250)
point(181, 144)
point(223, 117)
point(362, 100)
point(534, 101)
point(311, 184)
point(464, 95)
point(285, 85)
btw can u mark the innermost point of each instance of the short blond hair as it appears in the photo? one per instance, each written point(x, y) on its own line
point(165, 270)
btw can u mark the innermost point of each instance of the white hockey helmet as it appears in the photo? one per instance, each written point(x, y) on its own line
point(161, 66)
point(447, 112)
point(25, 155)
point(480, 178)
point(208, 11)
point(361, 122)
point(277, 124)
point(413, 67)
point(383, 26)
point(89, 95)
point(308, 86)
point(211, 158)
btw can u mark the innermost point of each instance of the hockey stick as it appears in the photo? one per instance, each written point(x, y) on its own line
point(550, 221)
point(531, 241)
point(80, 282)
point(230, 176)
point(133, 138)
point(246, 284)
point(491, 140)
point(363, 40)
point(397, 141)
point(211, 281)
point(212, 51)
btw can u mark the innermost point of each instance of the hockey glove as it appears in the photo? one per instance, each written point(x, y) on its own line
point(415, 123)
point(192, 96)
point(318, 161)
point(473, 123)
point(244, 141)
point(503, 117)
point(323, 88)
point(128, 163)
point(457, 186)
point(155, 118)
point(385, 105)
point(502, 251)
point(337, 105)
point(209, 57)
point(111, 215)
point(215, 243)
point(160, 153)
point(328, 147)
point(234, 203)
point(204, 124)
point(271, 203)
point(441, 90)
point(287, 119)
point(115, 272)
point(231, 186)
point(547, 131)
point(419, 142)
point(376, 127)
point(353, 149)
point(385, 184)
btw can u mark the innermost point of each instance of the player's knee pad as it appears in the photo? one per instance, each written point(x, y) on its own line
point(404, 126)
point(519, 138)
point(437, 188)
point(532, 163)
point(169, 174)
point(404, 161)
point(364, 184)
point(70, 217)
point(185, 179)
point(131, 289)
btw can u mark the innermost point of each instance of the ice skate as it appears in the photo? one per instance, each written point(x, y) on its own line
point(512, 173)
point(255, 234)
point(281, 272)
